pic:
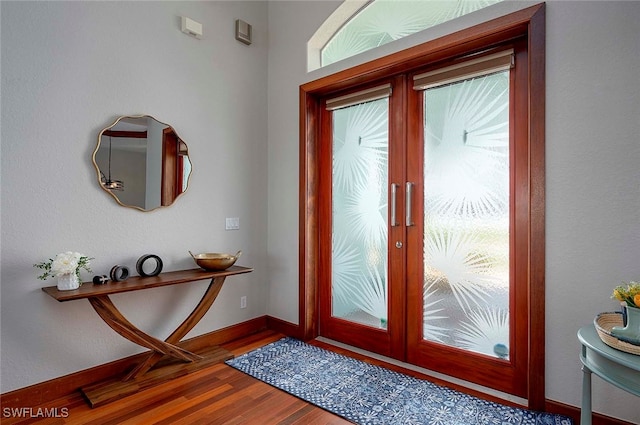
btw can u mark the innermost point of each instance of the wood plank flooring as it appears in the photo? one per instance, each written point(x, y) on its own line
point(216, 395)
point(222, 395)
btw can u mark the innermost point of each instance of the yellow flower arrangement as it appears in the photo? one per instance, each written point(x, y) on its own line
point(628, 294)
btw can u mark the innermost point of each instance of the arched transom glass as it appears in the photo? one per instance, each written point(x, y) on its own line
point(382, 21)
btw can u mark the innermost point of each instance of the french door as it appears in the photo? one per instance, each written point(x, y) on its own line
point(362, 150)
point(468, 311)
point(423, 230)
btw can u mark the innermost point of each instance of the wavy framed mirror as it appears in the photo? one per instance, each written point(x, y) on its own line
point(142, 162)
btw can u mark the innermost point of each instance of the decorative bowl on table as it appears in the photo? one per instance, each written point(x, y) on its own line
point(215, 261)
point(604, 322)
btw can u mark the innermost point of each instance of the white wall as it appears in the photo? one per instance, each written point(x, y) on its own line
point(68, 70)
point(592, 149)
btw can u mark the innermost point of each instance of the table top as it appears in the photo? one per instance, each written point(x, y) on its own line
point(590, 339)
point(89, 289)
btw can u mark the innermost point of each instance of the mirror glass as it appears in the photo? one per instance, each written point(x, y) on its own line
point(142, 162)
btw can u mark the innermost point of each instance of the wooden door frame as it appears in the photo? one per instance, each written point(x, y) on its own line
point(171, 182)
point(528, 23)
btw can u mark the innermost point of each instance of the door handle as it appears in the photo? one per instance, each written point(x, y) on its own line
point(409, 218)
point(394, 195)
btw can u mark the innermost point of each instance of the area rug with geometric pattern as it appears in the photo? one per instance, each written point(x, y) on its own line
point(367, 394)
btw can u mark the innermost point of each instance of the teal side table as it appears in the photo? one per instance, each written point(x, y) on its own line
point(614, 366)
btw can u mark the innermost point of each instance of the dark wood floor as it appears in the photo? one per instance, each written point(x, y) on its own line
point(215, 395)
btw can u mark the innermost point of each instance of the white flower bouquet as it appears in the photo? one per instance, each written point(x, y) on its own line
point(64, 263)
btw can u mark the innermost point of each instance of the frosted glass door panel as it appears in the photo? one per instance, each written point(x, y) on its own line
point(359, 213)
point(466, 220)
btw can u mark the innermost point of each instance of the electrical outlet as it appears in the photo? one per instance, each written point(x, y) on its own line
point(243, 302)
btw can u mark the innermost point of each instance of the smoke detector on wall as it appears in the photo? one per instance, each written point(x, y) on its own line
point(191, 27)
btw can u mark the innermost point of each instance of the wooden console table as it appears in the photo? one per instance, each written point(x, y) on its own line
point(160, 364)
point(614, 366)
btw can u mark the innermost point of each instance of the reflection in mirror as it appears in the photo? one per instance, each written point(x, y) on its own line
point(142, 162)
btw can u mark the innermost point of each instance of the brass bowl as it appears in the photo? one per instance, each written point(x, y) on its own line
point(214, 261)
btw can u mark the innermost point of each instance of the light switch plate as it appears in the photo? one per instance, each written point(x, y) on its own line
point(232, 223)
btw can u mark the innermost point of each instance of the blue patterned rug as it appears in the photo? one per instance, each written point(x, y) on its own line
point(367, 394)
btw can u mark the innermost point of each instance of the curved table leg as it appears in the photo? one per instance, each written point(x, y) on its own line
point(196, 315)
point(112, 317)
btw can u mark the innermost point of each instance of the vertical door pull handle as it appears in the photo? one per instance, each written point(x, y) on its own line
point(394, 194)
point(409, 219)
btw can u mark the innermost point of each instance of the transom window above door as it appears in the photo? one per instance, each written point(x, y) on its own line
point(358, 26)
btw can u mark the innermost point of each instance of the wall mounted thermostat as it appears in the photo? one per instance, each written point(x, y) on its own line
point(243, 31)
point(191, 27)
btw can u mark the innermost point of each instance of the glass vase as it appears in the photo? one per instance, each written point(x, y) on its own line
point(68, 282)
